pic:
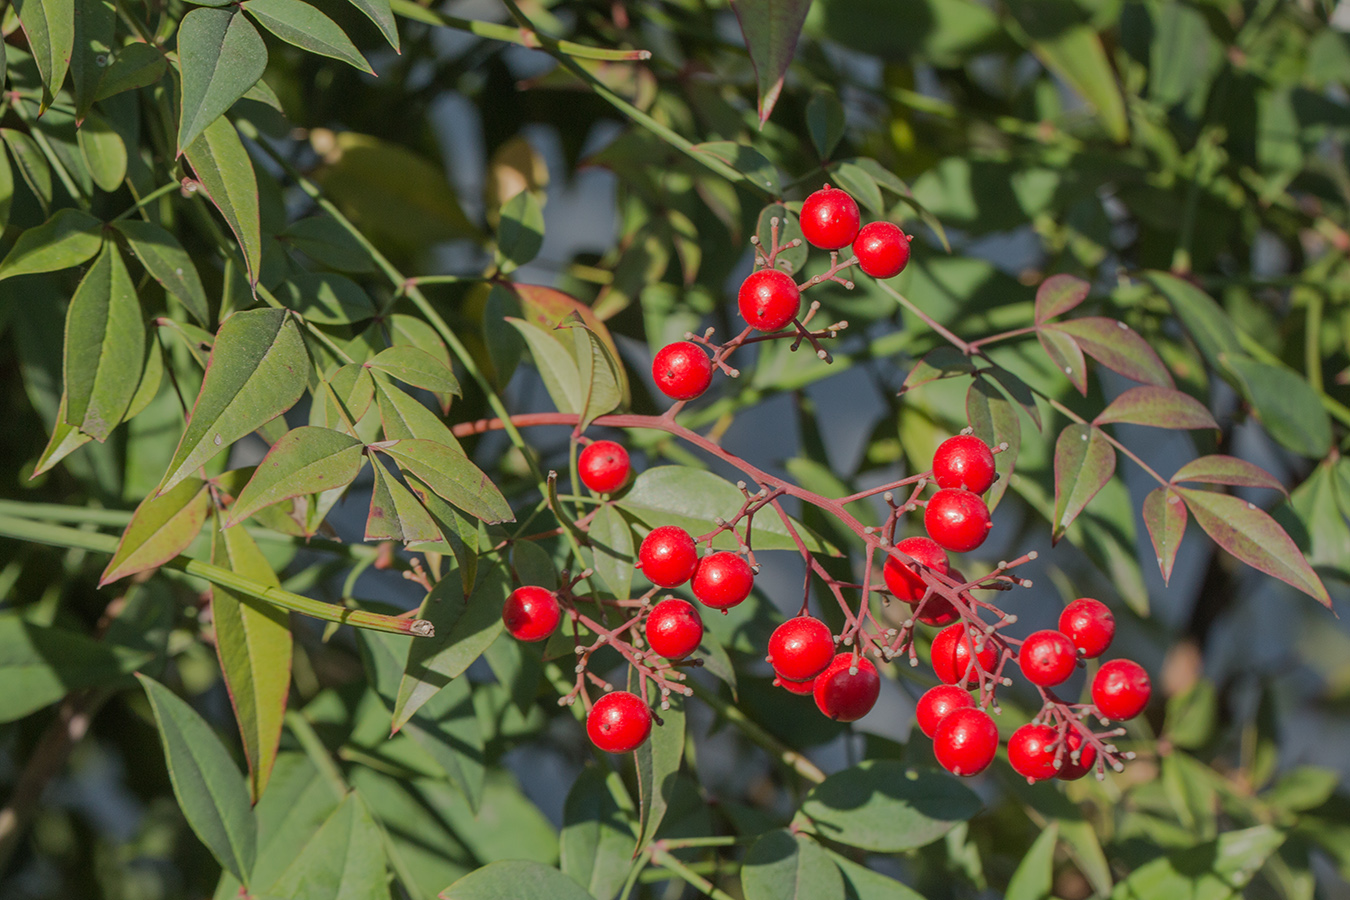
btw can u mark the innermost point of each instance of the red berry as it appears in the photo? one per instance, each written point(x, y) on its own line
point(938, 611)
point(796, 687)
point(882, 249)
point(958, 520)
point(1121, 689)
point(674, 628)
point(1031, 751)
point(966, 462)
point(682, 370)
point(952, 659)
point(668, 556)
point(830, 218)
point(937, 702)
point(604, 466)
point(965, 742)
point(902, 579)
point(1072, 771)
point(1089, 624)
point(843, 696)
point(723, 580)
point(801, 648)
point(1047, 658)
point(769, 299)
point(619, 722)
point(531, 613)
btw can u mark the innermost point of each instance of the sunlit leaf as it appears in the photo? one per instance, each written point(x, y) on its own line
point(1206, 322)
point(1084, 462)
point(996, 422)
point(1118, 347)
point(69, 238)
point(1160, 407)
point(168, 263)
point(1216, 870)
point(395, 514)
point(611, 538)
point(226, 173)
point(556, 365)
point(515, 878)
point(160, 528)
point(781, 865)
point(658, 759)
point(298, 23)
point(50, 28)
point(886, 807)
point(453, 476)
point(1285, 404)
point(1165, 519)
point(94, 23)
point(771, 30)
point(596, 842)
point(1034, 877)
point(104, 348)
point(944, 362)
point(307, 460)
point(1220, 469)
point(1058, 294)
point(344, 860)
point(1066, 356)
point(417, 368)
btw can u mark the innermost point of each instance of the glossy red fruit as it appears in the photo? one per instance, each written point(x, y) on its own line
point(952, 658)
point(958, 520)
point(902, 579)
point(604, 466)
point(1047, 658)
point(619, 722)
point(1072, 771)
point(769, 299)
point(1031, 752)
point(882, 249)
point(668, 556)
point(846, 696)
point(796, 687)
point(965, 462)
point(674, 628)
point(531, 613)
point(1090, 625)
point(937, 702)
point(1121, 689)
point(801, 648)
point(938, 611)
point(682, 370)
point(830, 219)
point(966, 741)
point(723, 580)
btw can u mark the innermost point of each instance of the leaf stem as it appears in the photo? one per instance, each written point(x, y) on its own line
point(148, 199)
point(689, 876)
point(522, 36)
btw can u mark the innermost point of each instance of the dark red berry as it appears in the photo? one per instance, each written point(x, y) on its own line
point(619, 722)
point(1031, 752)
point(796, 687)
point(668, 556)
point(801, 648)
point(953, 661)
point(1047, 658)
point(1090, 625)
point(769, 299)
point(723, 580)
point(674, 628)
point(1121, 689)
point(830, 219)
point(604, 466)
point(958, 520)
point(902, 579)
point(936, 611)
point(965, 462)
point(847, 696)
point(682, 370)
point(882, 249)
point(936, 703)
point(966, 741)
point(531, 613)
point(1070, 770)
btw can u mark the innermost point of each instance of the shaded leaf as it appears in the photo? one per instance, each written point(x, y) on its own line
point(824, 121)
point(596, 842)
point(50, 28)
point(6, 185)
point(41, 665)
point(1285, 404)
point(226, 173)
point(328, 298)
point(36, 172)
point(520, 233)
point(658, 764)
point(134, 66)
point(69, 238)
point(92, 44)
point(104, 153)
point(996, 422)
point(884, 806)
point(327, 241)
point(861, 883)
point(344, 860)
point(781, 865)
point(1216, 870)
point(160, 528)
point(304, 26)
point(944, 362)
point(382, 15)
point(514, 878)
point(1118, 347)
point(453, 476)
point(104, 346)
point(168, 263)
point(556, 365)
point(65, 440)
point(746, 160)
point(1084, 462)
point(611, 539)
point(1034, 877)
point(221, 55)
point(1058, 294)
point(1160, 407)
point(395, 514)
point(307, 460)
point(1220, 469)
point(860, 184)
point(1066, 356)
point(417, 368)
point(790, 259)
point(1165, 519)
point(546, 307)
point(771, 31)
point(1209, 326)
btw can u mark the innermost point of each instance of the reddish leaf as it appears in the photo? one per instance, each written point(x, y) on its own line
point(1118, 347)
point(1249, 533)
point(771, 29)
point(307, 460)
point(1084, 462)
point(1065, 353)
point(161, 528)
point(1165, 519)
point(1157, 406)
point(1058, 294)
point(995, 421)
point(1219, 469)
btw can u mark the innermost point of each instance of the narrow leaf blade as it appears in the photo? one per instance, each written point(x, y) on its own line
point(168, 263)
point(222, 56)
point(1165, 519)
point(104, 346)
point(1220, 469)
point(1058, 294)
point(1118, 347)
point(226, 173)
point(771, 30)
point(417, 368)
point(453, 476)
point(1160, 407)
point(658, 759)
point(69, 238)
point(304, 26)
point(307, 460)
point(1084, 462)
point(160, 528)
point(1066, 356)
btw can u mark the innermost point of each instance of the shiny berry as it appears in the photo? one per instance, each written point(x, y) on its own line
point(801, 648)
point(531, 613)
point(1031, 752)
point(1089, 624)
point(604, 466)
point(846, 696)
point(965, 742)
point(958, 520)
point(902, 579)
point(682, 370)
point(1047, 658)
point(674, 628)
point(796, 687)
point(1070, 770)
point(1121, 689)
point(668, 556)
point(830, 219)
point(937, 611)
point(769, 299)
point(953, 662)
point(937, 702)
point(723, 580)
point(619, 722)
point(882, 249)
point(965, 462)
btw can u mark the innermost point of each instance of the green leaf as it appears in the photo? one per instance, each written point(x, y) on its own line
point(556, 365)
point(304, 26)
point(513, 879)
point(41, 665)
point(325, 240)
point(1209, 326)
point(1220, 469)
point(253, 642)
point(1192, 715)
point(1066, 355)
point(1216, 870)
point(995, 421)
point(1034, 877)
point(258, 369)
point(1285, 404)
point(1302, 789)
point(328, 298)
point(168, 263)
point(859, 183)
point(1118, 347)
point(825, 121)
point(307, 460)
point(382, 15)
point(404, 418)
point(104, 153)
point(790, 259)
point(453, 476)
point(781, 865)
point(603, 383)
point(944, 362)
point(221, 55)
point(1084, 462)
point(50, 28)
point(395, 514)
point(65, 440)
point(1058, 294)
point(1165, 519)
point(1249, 533)
point(1161, 407)
point(417, 368)
point(658, 763)
point(91, 48)
point(6, 186)
point(883, 806)
point(611, 539)
point(69, 238)
point(209, 788)
point(521, 232)
point(226, 174)
point(133, 66)
point(160, 528)
point(104, 347)
point(596, 842)
point(344, 860)
point(771, 31)
point(746, 160)
point(36, 172)
point(861, 883)
point(1320, 503)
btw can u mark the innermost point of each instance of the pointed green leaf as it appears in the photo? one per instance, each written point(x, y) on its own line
point(404, 418)
point(382, 15)
point(555, 363)
point(1165, 519)
point(160, 528)
point(858, 182)
point(209, 788)
point(1035, 874)
point(1084, 462)
point(328, 298)
point(36, 171)
point(221, 55)
point(602, 378)
point(756, 168)
point(996, 422)
point(825, 121)
point(105, 346)
point(95, 21)
point(658, 760)
point(781, 865)
point(103, 151)
point(39, 666)
point(1118, 347)
point(1058, 294)
point(458, 530)
point(1285, 404)
point(69, 238)
point(596, 842)
point(1160, 407)
point(1217, 870)
point(611, 538)
point(327, 241)
point(944, 362)
point(521, 232)
point(50, 28)
point(133, 66)
point(417, 368)
point(771, 31)
point(395, 514)
point(6, 186)
point(344, 860)
point(298, 23)
point(1066, 356)
point(168, 263)
point(1209, 326)
point(307, 460)
point(1220, 469)
point(258, 369)
point(514, 879)
point(65, 440)
point(226, 173)
point(861, 883)
point(453, 476)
